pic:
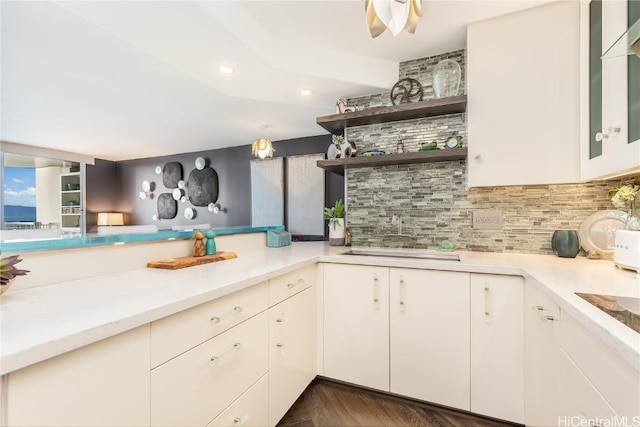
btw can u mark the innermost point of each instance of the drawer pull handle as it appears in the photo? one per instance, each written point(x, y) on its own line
point(218, 319)
point(291, 285)
point(279, 320)
point(236, 346)
point(401, 291)
point(487, 312)
point(375, 291)
point(240, 420)
point(279, 345)
point(550, 318)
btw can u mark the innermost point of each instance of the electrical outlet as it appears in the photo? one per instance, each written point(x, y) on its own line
point(487, 220)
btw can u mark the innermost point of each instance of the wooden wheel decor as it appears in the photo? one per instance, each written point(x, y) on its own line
point(406, 90)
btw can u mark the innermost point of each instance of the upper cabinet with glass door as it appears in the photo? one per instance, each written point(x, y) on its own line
point(612, 146)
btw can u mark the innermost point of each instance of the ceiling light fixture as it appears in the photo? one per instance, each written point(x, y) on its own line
point(262, 148)
point(397, 15)
point(226, 69)
point(305, 92)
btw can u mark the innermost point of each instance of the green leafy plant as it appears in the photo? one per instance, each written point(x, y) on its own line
point(337, 140)
point(8, 270)
point(332, 214)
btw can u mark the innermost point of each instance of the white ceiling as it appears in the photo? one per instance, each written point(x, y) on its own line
point(120, 80)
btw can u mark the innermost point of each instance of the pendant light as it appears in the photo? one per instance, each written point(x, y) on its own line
point(397, 15)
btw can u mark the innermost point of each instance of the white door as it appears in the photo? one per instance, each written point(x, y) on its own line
point(356, 324)
point(291, 328)
point(429, 315)
point(497, 346)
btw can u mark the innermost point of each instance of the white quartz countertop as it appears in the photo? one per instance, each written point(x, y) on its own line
point(41, 322)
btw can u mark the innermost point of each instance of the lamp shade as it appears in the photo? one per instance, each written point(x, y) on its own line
point(262, 148)
point(110, 218)
point(397, 15)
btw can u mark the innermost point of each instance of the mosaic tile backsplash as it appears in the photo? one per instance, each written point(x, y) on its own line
point(435, 205)
point(432, 198)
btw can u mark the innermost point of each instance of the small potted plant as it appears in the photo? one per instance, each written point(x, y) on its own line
point(338, 140)
point(335, 215)
point(8, 271)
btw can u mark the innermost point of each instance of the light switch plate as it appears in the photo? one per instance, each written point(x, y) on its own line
point(487, 220)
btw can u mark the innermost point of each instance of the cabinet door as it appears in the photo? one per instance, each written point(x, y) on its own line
point(614, 94)
point(581, 404)
point(102, 384)
point(524, 97)
point(429, 315)
point(541, 359)
point(291, 328)
point(356, 324)
point(497, 346)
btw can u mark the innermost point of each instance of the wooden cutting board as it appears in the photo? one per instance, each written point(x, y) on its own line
point(188, 261)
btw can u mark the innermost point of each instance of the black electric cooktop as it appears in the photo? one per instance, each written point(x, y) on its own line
point(623, 309)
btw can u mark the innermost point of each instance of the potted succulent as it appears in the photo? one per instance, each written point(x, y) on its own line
point(8, 271)
point(335, 215)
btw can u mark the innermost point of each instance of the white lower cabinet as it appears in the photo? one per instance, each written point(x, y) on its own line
point(451, 338)
point(356, 324)
point(102, 384)
point(291, 350)
point(429, 335)
point(249, 410)
point(193, 388)
point(497, 346)
point(542, 321)
point(580, 402)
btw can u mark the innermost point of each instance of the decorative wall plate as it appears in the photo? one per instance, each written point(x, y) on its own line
point(597, 232)
point(167, 207)
point(203, 187)
point(171, 174)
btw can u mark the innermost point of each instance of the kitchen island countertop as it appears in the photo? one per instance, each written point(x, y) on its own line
point(42, 322)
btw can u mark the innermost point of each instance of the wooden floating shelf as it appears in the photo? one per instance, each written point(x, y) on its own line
point(336, 123)
point(339, 165)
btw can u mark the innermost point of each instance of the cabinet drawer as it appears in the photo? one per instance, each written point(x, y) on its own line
point(182, 331)
point(617, 381)
point(250, 410)
point(193, 388)
point(290, 284)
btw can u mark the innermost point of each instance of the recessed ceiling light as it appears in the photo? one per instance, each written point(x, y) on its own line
point(305, 92)
point(226, 69)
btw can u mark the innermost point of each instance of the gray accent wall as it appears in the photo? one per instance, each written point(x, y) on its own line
point(234, 176)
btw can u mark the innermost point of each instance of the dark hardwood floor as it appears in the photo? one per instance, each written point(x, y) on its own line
point(327, 403)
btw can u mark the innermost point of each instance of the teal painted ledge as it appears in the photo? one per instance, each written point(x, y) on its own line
point(95, 240)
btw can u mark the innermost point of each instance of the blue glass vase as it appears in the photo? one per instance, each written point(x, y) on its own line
point(565, 243)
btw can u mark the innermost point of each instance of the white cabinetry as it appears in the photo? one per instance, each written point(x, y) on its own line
point(356, 324)
point(235, 360)
point(193, 388)
point(524, 97)
point(571, 376)
point(250, 410)
point(616, 149)
point(429, 330)
point(71, 202)
point(497, 346)
point(581, 404)
point(291, 350)
point(542, 319)
point(102, 384)
point(616, 381)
